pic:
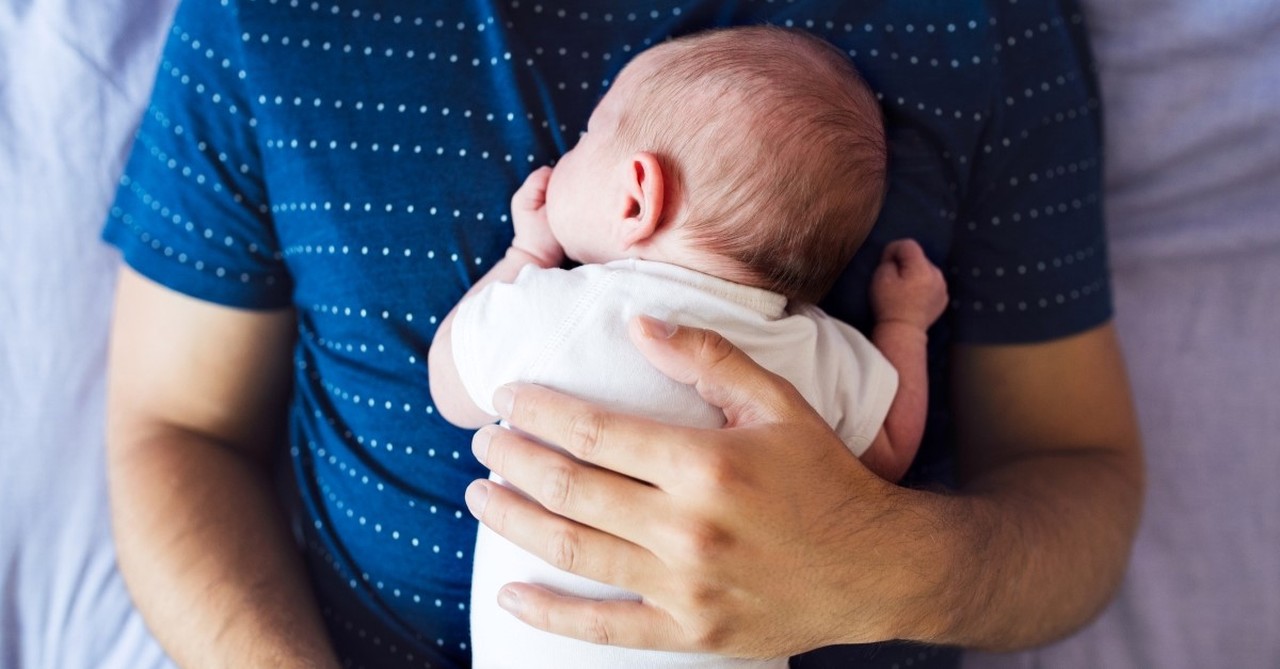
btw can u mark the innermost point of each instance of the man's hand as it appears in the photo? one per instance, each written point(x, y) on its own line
point(729, 535)
point(906, 287)
point(529, 218)
point(766, 537)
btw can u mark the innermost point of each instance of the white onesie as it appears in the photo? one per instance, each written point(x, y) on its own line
point(567, 330)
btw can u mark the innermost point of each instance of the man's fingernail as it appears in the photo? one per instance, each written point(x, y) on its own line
point(656, 329)
point(503, 399)
point(477, 497)
point(480, 442)
point(509, 600)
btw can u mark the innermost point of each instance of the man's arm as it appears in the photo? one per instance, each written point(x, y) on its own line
point(1052, 475)
point(196, 401)
point(1030, 549)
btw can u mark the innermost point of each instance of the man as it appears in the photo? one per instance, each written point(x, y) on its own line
point(339, 175)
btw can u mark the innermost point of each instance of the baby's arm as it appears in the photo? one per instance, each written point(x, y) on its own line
point(533, 245)
point(908, 294)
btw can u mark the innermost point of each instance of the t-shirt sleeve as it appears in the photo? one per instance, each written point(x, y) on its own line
point(1029, 261)
point(504, 333)
point(191, 211)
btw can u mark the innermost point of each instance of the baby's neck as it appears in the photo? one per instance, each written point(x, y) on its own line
point(689, 256)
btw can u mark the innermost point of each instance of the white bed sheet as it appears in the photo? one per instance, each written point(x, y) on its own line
point(74, 79)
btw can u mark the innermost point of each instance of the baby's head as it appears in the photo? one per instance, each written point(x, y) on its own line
point(756, 154)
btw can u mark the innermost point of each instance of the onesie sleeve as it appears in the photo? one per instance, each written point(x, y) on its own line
point(1028, 262)
point(191, 211)
point(865, 385)
point(503, 333)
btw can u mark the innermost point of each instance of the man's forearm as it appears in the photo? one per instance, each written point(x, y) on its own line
point(1052, 480)
point(207, 554)
point(1033, 550)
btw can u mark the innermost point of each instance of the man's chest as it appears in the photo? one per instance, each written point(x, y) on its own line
point(393, 134)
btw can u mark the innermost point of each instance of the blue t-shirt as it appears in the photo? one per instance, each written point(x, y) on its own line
point(355, 161)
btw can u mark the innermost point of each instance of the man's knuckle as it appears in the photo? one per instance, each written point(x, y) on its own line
point(558, 488)
point(586, 432)
point(716, 471)
point(596, 630)
point(563, 550)
point(702, 543)
point(708, 636)
point(714, 349)
point(781, 394)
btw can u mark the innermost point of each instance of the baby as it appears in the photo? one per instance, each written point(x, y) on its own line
point(724, 182)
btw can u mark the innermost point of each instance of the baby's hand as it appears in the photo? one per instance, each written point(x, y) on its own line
point(529, 217)
point(906, 287)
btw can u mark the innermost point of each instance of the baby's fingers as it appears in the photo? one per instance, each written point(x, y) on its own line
point(533, 192)
point(904, 252)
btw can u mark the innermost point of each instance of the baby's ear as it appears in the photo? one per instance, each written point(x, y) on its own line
point(644, 188)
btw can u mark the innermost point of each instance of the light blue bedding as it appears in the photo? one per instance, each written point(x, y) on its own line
point(74, 78)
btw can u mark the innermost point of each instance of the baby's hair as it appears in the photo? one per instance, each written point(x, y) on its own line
point(773, 147)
